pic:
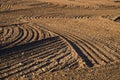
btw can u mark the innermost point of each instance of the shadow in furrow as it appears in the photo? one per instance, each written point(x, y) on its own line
point(27, 46)
point(117, 19)
point(81, 54)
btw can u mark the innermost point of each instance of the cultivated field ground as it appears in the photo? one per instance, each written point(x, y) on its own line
point(59, 39)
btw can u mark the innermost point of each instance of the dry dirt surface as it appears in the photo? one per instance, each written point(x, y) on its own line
point(59, 39)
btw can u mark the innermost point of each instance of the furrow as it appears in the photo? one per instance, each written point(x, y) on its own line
point(14, 36)
point(84, 54)
point(51, 67)
point(35, 55)
point(94, 50)
point(34, 51)
point(34, 34)
point(69, 63)
point(5, 32)
point(24, 37)
point(47, 42)
point(31, 65)
point(104, 52)
point(15, 40)
point(38, 31)
point(11, 31)
point(109, 50)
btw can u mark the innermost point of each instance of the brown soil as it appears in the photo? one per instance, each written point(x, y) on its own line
point(59, 40)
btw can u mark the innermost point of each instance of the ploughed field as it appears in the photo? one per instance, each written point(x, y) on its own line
point(59, 40)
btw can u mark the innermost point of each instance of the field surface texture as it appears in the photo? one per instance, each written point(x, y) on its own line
point(59, 39)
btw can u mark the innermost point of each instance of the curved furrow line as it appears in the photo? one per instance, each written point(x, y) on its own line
point(45, 68)
point(43, 34)
point(9, 34)
point(83, 53)
point(112, 57)
point(46, 34)
point(7, 37)
point(100, 52)
point(30, 34)
point(24, 34)
point(49, 33)
point(108, 49)
point(16, 39)
point(94, 51)
point(88, 55)
point(27, 67)
point(34, 53)
point(106, 58)
point(41, 56)
point(38, 33)
point(4, 33)
point(34, 49)
point(14, 36)
point(103, 52)
point(98, 46)
point(43, 31)
point(57, 54)
point(98, 56)
point(74, 53)
point(34, 34)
